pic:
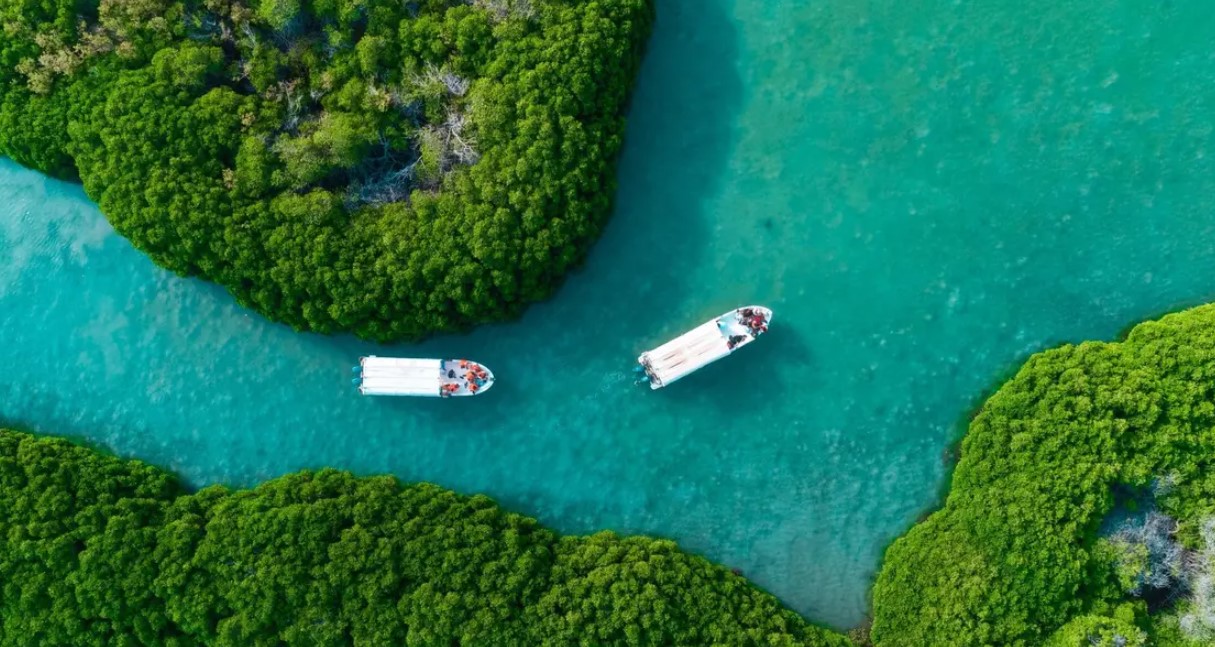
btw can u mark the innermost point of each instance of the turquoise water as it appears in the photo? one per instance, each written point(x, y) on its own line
point(924, 192)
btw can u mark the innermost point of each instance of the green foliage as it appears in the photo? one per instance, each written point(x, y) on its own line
point(188, 67)
point(1168, 632)
point(100, 551)
point(1193, 621)
point(76, 538)
point(1098, 631)
point(335, 142)
point(279, 13)
point(638, 591)
point(1130, 561)
point(470, 146)
point(1014, 554)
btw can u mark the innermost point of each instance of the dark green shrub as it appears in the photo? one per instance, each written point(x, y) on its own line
point(100, 551)
point(469, 146)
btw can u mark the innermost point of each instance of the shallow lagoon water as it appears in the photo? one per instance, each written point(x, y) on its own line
point(924, 192)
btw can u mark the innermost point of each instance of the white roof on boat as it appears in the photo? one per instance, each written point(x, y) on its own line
point(689, 352)
point(401, 376)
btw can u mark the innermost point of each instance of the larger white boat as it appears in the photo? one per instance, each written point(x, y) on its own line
point(426, 378)
point(704, 344)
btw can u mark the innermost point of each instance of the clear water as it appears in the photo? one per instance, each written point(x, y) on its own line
point(924, 192)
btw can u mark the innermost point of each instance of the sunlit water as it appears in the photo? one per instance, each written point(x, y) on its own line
point(924, 192)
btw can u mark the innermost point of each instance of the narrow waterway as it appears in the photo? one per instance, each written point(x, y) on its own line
point(924, 192)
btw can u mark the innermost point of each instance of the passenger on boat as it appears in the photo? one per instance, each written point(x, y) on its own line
point(757, 325)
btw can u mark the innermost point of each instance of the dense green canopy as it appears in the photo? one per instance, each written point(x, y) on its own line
point(384, 167)
point(1015, 556)
point(100, 551)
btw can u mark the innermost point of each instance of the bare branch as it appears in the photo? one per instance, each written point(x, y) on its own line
point(1199, 620)
point(501, 10)
point(455, 84)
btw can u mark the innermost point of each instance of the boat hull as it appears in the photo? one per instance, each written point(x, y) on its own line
point(421, 378)
point(703, 345)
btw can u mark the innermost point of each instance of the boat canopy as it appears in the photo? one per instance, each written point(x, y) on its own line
point(401, 376)
point(687, 353)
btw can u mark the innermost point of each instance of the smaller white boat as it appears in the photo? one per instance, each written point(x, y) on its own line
point(704, 345)
point(425, 378)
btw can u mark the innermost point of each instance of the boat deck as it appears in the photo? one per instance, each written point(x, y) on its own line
point(687, 353)
point(400, 376)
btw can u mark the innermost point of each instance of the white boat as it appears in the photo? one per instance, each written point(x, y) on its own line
point(704, 344)
point(427, 378)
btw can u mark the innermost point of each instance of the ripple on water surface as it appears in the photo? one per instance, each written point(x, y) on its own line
point(924, 192)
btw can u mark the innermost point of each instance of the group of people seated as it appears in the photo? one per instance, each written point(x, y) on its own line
point(755, 321)
point(475, 377)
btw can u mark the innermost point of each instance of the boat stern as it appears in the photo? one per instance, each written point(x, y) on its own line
point(644, 361)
